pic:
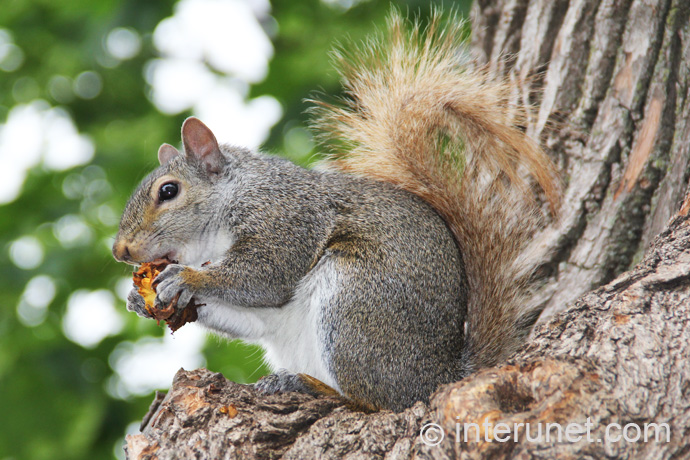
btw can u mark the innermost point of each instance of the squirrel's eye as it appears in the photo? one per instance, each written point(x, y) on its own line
point(167, 191)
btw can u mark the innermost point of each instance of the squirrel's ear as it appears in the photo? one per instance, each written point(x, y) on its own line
point(200, 143)
point(166, 153)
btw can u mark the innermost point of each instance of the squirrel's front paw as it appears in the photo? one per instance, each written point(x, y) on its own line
point(169, 284)
point(137, 304)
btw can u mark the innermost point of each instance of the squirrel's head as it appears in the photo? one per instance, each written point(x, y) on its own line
point(171, 213)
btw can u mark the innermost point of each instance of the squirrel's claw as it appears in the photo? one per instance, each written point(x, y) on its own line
point(137, 304)
point(168, 285)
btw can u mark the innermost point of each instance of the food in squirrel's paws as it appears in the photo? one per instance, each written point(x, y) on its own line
point(144, 281)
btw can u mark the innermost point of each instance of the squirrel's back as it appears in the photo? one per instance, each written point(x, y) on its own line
point(415, 117)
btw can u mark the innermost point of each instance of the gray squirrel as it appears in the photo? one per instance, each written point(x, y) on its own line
point(394, 266)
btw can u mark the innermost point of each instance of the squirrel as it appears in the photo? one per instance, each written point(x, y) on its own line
point(395, 265)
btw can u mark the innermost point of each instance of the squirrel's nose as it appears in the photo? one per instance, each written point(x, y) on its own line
point(121, 252)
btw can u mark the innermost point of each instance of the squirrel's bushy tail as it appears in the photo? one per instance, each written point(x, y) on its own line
point(415, 117)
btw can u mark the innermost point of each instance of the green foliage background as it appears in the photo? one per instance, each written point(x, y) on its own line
point(53, 401)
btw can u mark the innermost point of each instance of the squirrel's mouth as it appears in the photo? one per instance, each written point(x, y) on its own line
point(161, 261)
point(170, 258)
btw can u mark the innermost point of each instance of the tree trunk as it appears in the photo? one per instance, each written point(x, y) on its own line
point(610, 80)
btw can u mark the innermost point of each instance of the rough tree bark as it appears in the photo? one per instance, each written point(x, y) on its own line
point(611, 81)
point(610, 78)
